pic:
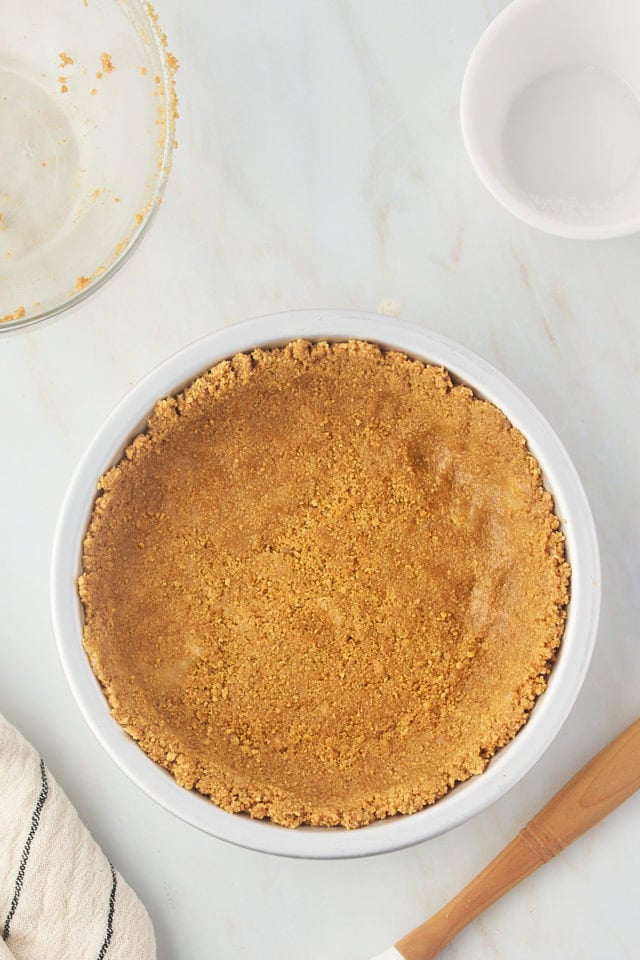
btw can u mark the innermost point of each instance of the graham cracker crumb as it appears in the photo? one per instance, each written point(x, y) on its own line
point(16, 315)
point(107, 65)
point(324, 585)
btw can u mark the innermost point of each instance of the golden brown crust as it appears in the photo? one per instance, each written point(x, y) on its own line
point(324, 585)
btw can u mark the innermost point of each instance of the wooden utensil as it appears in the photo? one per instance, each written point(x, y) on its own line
point(602, 785)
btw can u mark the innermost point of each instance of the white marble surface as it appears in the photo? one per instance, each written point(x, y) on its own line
point(320, 164)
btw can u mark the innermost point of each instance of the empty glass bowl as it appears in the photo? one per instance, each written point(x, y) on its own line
point(87, 118)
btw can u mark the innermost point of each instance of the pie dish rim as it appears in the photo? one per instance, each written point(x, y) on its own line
point(510, 764)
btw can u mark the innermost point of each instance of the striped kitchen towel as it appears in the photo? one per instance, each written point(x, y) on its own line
point(60, 898)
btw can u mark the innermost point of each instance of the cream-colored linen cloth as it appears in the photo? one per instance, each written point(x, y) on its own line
point(60, 898)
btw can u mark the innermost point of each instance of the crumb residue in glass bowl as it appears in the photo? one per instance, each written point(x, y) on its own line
point(17, 314)
point(107, 65)
point(168, 109)
point(167, 116)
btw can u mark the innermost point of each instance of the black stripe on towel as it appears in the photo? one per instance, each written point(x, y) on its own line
point(26, 850)
point(112, 908)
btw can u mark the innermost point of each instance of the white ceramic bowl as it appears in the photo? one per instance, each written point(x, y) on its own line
point(550, 114)
point(509, 765)
point(87, 113)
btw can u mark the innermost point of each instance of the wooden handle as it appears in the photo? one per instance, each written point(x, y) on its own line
point(602, 785)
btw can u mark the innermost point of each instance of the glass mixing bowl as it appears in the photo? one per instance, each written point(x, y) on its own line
point(87, 127)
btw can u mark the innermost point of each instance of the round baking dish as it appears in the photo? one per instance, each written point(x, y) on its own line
point(509, 764)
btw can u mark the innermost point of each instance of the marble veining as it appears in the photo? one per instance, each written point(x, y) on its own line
point(321, 165)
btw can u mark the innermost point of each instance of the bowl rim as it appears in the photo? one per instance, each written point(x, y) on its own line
point(160, 178)
point(509, 765)
point(495, 33)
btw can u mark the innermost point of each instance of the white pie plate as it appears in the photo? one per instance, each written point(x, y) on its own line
point(509, 765)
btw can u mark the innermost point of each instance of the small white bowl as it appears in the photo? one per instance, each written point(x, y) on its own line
point(550, 112)
point(509, 765)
